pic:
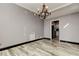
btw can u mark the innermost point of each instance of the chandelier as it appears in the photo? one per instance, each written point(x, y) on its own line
point(43, 13)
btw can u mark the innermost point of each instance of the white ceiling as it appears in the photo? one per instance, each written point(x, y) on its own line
point(58, 9)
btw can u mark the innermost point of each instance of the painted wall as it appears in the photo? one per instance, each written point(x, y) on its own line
point(18, 25)
point(68, 25)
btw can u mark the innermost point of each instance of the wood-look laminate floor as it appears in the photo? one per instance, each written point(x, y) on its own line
point(43, 48)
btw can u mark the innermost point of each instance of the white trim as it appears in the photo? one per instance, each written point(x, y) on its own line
point(55, 9)
point(24, 8)
point(62, 6)
point(51, 24)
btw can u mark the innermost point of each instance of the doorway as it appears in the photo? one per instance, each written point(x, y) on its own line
point(55, 33)
point(55, 30)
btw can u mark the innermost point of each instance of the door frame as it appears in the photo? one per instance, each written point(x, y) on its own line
point(51, 27)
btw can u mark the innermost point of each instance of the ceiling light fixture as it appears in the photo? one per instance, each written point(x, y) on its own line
point(43, 13)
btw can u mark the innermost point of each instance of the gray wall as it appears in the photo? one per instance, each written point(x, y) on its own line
point(68, 25)
point(18, 25)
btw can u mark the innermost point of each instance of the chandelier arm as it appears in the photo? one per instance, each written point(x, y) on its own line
point(44, 12)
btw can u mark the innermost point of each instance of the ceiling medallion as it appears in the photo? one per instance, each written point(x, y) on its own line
point(43, 13)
